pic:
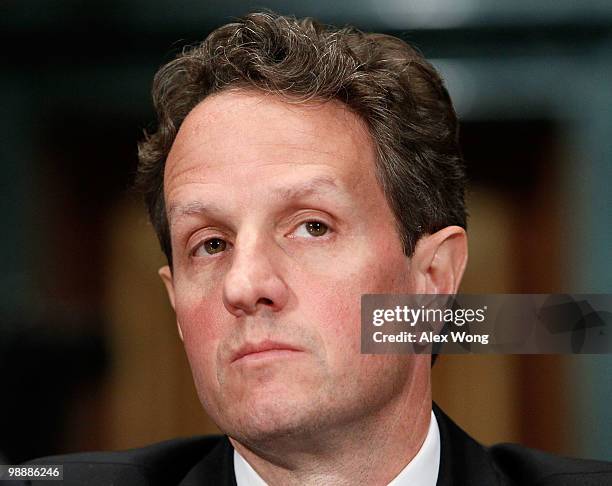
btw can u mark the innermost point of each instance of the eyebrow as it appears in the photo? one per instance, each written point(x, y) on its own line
point(313, 186)
point(321, 184)
point(194, 208)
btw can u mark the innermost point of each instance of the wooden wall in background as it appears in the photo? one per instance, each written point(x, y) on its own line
point(510, 398)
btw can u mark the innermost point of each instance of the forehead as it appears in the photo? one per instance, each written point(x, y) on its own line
point(242, 139)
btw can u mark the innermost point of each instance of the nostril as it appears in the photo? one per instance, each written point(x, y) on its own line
point(264, 301)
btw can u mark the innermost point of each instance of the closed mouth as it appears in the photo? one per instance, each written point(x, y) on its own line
point(264, 349)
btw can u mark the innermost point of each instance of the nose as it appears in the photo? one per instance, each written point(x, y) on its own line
point(253, 283)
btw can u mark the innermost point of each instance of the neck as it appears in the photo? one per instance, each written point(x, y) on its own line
point(372, 451)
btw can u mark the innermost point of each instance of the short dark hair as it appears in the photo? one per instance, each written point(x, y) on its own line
point(381, 78)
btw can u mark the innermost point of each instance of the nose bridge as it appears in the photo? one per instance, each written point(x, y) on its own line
point(251, 252)
point(254, 279)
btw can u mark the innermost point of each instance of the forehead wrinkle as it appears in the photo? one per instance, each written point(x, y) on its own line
point(314, 148)
point(198, 163)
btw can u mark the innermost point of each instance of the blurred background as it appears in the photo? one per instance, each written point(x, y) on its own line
point(89, 355)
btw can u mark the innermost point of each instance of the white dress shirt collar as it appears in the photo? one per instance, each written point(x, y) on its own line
point(421, 471)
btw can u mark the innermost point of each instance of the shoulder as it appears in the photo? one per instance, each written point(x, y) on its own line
point(533, 467)
point(464, 461)
point(165, 463)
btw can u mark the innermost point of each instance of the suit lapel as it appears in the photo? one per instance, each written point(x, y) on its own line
point(463, 461)
point(214, 469)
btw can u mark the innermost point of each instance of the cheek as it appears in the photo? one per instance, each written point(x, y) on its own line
point(200, 319)
point(196, 308)
point(335, 311)
point(336, 306)
point(199, 325)
point(337, 314)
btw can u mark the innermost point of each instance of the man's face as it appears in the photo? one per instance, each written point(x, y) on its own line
point(278, 227)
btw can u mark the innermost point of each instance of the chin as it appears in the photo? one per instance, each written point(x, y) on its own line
point(269, 419)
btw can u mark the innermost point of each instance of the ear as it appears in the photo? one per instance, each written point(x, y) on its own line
point(439, 261)
point(166, 275)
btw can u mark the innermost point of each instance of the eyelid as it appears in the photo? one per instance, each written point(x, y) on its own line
point(198, 246)
point(315, 219)
point(204, 235)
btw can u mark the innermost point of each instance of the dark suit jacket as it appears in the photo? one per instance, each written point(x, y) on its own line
point(204, 461)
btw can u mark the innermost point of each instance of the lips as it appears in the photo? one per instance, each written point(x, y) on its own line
point(263, 349)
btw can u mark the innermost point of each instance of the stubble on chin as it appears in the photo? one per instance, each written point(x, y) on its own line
point(280, 401)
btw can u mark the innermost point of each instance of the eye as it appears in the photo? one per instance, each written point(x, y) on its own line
point(312, 229)
point(211, 246)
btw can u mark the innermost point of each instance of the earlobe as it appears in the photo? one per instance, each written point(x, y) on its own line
point(166, 275)
point(440, 260)
point(180, 331)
